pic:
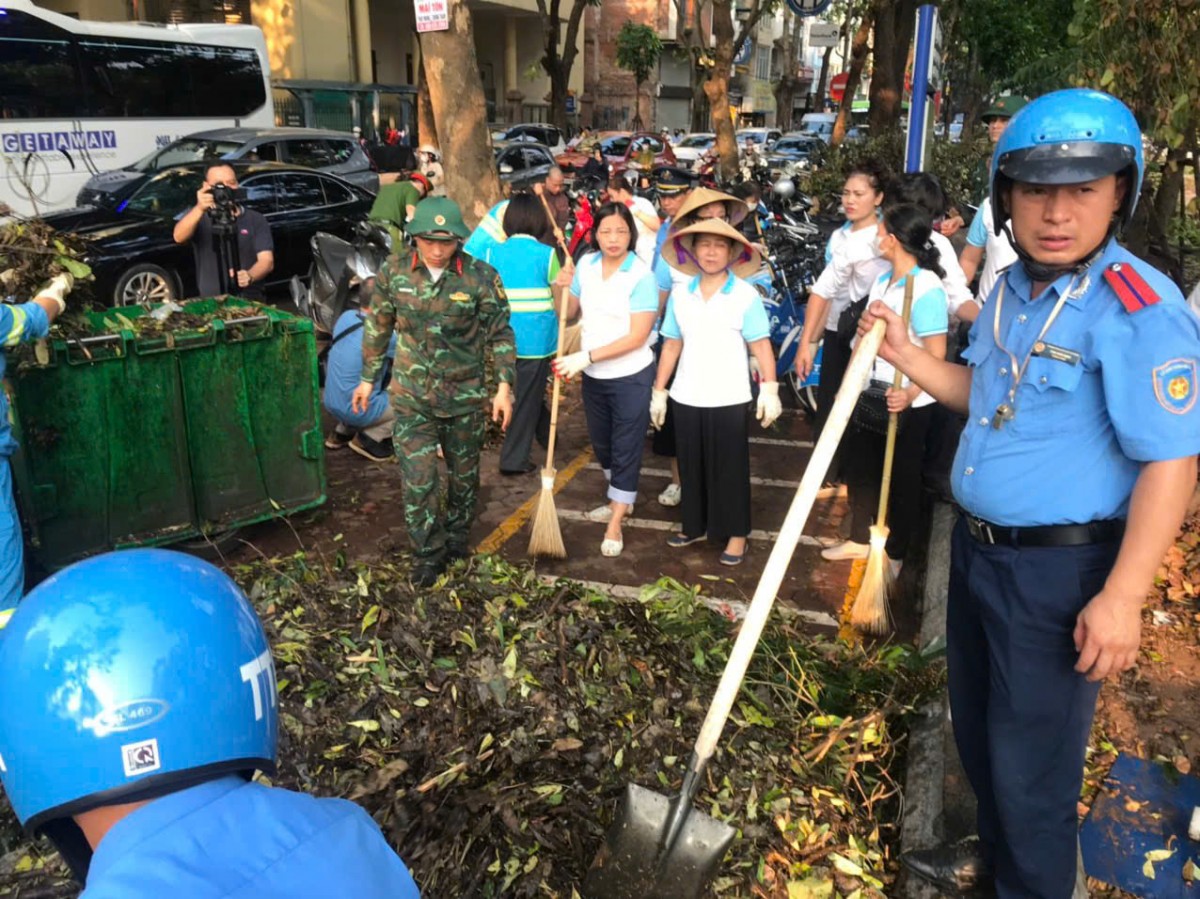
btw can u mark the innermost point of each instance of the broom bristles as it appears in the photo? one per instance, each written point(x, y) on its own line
point(871, 612)
point(545, 541)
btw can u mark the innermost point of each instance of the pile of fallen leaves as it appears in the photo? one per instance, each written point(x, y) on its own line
point(491, 724)
point(32, 252)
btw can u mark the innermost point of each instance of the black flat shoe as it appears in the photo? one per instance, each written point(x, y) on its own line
point(514, 472)
point(958, 868)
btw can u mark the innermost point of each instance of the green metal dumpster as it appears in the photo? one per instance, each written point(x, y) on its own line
point(132, 437)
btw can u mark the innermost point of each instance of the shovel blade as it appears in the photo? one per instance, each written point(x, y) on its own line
point(631, 865)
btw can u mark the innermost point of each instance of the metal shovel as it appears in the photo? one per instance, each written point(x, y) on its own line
point(660, 848)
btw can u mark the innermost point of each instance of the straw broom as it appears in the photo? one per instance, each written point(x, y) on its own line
point(871, 612)
point(545, 539)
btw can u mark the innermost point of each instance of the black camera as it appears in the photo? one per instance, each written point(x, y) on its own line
point(225, 200)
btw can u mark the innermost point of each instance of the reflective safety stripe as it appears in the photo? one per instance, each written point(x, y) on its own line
point(528, 293)
point(531, 306)
point(5, 614)
point(17, 331)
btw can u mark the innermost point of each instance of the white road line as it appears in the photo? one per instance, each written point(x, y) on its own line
point(736, 606)
point(654, 524)
point(666, 473)
point(776, 441)
point(823, 493)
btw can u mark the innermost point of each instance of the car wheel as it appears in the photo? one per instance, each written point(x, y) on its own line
point(143, 284)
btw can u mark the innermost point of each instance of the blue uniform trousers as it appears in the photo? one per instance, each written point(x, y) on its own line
point(1020, 711)
point(12, 547)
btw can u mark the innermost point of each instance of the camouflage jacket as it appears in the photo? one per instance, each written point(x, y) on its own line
point(443, 330)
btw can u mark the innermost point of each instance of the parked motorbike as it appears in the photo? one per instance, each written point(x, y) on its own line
point(586, 197)
point(340, 273)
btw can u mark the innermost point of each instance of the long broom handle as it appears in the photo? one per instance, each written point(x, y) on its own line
point(856, 376)
point(554, 397)
point(889, 453)
point(563, 305)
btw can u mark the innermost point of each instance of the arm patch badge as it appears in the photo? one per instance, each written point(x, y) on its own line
point(1175, 385)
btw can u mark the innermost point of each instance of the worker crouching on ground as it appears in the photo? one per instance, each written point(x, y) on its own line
point(19, 323)
point(708, 324)
point(368, 433)
point(137, 699)
point(446, 309)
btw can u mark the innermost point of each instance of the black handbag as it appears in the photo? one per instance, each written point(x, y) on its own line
point(871, 412)
point(847, 323)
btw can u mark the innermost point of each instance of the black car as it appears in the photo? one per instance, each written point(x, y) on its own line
point(791, 154)
point(133, 252)
point(523, 164)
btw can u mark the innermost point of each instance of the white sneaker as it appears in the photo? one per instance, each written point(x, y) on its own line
point(672, 496)
point(844, 551)
point(603, 513)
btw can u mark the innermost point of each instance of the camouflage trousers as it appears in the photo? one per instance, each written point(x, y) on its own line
point(417, 435)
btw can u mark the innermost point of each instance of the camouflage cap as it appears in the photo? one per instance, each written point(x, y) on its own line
point(437, 218)
point(1004, 107)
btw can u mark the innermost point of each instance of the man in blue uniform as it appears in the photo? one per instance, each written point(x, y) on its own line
point(19, 323)
point(1073, 474)
point(137, 698)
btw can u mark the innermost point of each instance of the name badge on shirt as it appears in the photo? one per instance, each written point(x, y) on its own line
point(1057, 353)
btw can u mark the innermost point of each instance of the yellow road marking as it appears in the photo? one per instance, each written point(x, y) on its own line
point(511, 525)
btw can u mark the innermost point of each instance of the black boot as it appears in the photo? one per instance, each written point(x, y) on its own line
point(425, 574)
point(955, 868)
point(456, 552)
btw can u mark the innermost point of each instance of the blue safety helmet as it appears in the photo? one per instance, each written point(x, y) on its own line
point(1066, 137)
point(125, 677)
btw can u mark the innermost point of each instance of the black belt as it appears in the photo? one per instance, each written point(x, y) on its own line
point(1049, 535)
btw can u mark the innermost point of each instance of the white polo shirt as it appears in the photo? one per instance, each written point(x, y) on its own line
point(852, 263)
point(998, 252)
point(712, 369)
point(606, 307)
point(929, 316)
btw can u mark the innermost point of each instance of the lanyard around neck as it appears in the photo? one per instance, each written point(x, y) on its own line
point(1006, 410)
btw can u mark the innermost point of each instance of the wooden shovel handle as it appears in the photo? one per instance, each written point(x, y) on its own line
point(855, 379)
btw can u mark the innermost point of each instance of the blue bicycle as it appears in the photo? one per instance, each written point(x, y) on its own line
point(783, 284)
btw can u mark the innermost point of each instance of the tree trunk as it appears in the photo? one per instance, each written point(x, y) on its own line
point(785, 90)
point(460, 114)
point(894, 25)
point(701, 119)
point(858, 58)
point(716, 88)
point(637, 123)
point(426, 129)
point(557, 62)
point(822, 82)
point(559, 79)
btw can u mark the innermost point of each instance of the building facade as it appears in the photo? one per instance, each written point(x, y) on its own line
point(324, 53)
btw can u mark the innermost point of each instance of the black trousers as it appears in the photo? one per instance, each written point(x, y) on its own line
point(862, 464)
point(1021, 712)
point(713, 449)
point(663, 440)
point(530, 418)
point(835, 356)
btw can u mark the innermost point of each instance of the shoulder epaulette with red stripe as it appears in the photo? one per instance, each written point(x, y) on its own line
point(1130, 287)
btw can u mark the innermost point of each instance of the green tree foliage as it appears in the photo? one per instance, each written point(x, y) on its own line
point(638, 50)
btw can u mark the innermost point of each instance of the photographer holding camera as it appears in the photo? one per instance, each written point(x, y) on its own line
point(234, 250)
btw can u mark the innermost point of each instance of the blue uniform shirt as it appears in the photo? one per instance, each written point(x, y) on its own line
point(229, 839)
point(1115, 389)
point(18, 323)
point(343, 373)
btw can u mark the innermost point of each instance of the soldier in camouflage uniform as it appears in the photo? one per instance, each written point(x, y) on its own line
point(446, 308)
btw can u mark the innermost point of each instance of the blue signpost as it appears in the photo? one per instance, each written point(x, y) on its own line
point(924, 62)
point(809, 7)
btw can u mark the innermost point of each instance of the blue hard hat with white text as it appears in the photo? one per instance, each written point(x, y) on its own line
point(128, 676)
point(1069, 137)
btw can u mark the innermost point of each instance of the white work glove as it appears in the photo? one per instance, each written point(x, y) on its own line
point(572, 364)
point(59, 287)
point(658, 407)
point(769, 406)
